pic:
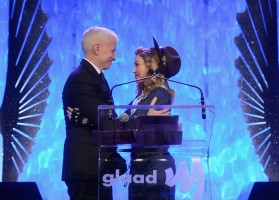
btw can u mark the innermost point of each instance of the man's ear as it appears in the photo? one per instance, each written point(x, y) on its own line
point(96, 49)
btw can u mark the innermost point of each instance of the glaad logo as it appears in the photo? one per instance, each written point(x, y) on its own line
point(137, 178)
point(182, 174)
point(187, 179)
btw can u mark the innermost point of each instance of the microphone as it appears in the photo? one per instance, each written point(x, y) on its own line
point(154, 72)
point(141, 79)
point(111, 102)
point(194, 86)
point(124, 117)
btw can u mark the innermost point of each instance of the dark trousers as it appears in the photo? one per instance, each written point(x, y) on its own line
point(144, 162)
point(87, 190)
point(110, 160)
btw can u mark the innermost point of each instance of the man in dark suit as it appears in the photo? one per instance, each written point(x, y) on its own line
point(86, 88)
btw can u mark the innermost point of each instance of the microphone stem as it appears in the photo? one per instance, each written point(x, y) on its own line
point(194, 86)
point(148, 77)
point(188, 85)
point(111, 102)
point(154, 74)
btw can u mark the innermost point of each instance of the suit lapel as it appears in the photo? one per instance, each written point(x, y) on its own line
point(105, 83)
point(102, 81)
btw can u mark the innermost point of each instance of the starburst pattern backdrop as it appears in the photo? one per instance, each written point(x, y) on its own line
point(27, 84)
point(258, 65)
point(202, 31)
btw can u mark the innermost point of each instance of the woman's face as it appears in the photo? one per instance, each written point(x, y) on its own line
point(140, 69)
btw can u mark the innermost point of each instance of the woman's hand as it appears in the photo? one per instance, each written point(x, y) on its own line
point(153, 112)
point(75, 116)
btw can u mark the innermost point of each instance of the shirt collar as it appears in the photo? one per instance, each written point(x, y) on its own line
point(95, 67)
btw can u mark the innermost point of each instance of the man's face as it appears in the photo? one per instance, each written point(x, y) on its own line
point(107, 52)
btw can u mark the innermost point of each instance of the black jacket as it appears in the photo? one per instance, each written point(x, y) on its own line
point(86, 90)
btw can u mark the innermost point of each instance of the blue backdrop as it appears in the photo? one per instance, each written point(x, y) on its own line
point(203, 33)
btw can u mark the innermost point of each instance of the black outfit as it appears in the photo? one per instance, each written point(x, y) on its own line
point(86, 90)
point(144, 160)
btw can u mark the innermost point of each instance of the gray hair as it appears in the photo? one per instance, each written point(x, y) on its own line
point(94, 35)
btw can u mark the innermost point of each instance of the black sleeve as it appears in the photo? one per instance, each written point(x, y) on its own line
point(85, 93)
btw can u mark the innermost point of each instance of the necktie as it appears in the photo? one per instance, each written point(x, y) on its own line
point(104, 81)
point(106, 87)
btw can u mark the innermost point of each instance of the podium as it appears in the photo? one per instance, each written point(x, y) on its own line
point(155, 157)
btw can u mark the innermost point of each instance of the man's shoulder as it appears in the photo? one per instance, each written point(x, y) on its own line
point(80, 76)
point(83, 71)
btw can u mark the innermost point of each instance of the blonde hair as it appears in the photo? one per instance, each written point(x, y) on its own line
point(151, 61)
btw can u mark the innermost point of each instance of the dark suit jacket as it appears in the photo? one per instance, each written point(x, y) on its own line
point(86, 90)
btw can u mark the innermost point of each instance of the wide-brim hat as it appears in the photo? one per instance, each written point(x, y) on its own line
point(169, 59)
